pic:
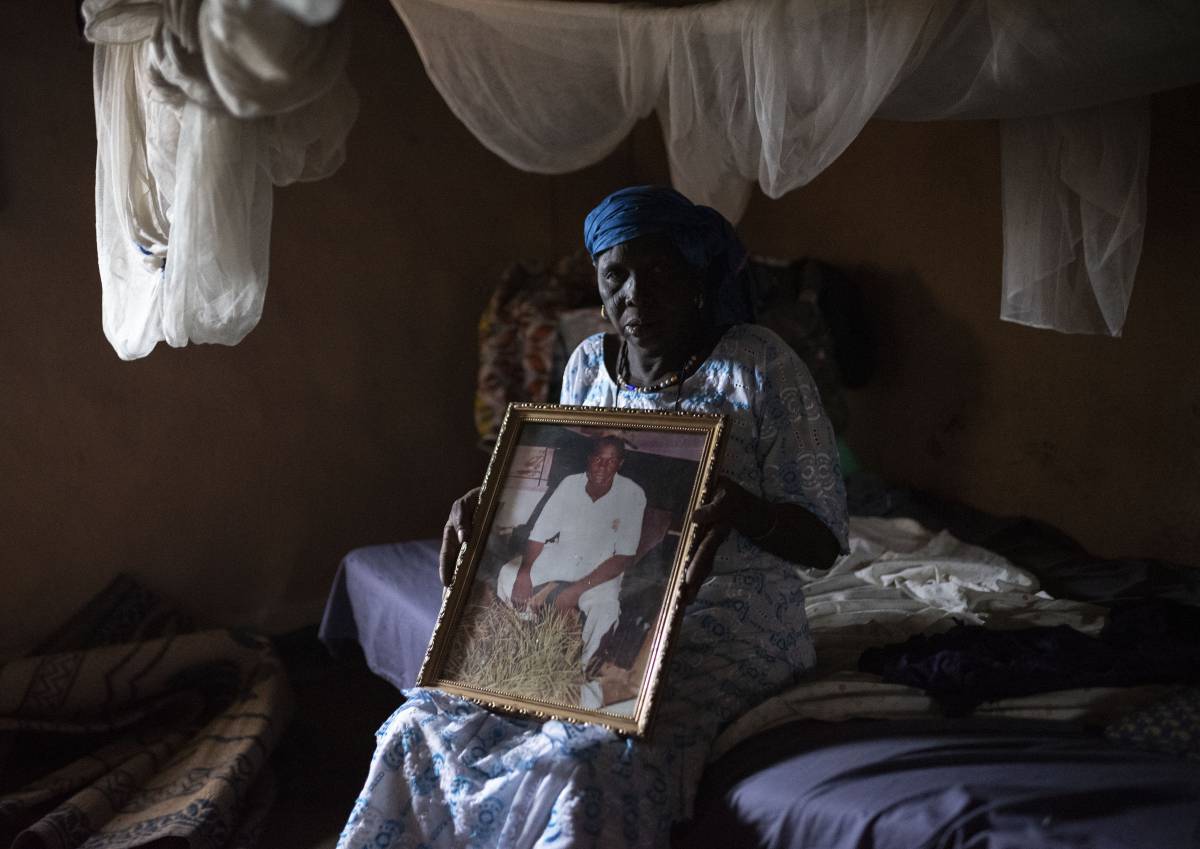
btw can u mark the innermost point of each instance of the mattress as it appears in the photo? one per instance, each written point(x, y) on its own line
point(847, 759)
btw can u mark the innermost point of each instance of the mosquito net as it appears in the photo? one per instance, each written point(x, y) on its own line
point(772, 91)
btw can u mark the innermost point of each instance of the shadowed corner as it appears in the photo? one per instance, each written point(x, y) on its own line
point(915, 335)
point(3, 170)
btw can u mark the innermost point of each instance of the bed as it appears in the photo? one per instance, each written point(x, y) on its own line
point(982, 681)
point(856, 758)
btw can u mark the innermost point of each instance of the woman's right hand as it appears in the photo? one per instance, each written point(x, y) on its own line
point(456, 532)
point(714, 519)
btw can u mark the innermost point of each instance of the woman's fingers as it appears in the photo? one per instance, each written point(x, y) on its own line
point(713, 521)
point(715, 509)
point(448, 557)
point(702, 560)
point(455, 533)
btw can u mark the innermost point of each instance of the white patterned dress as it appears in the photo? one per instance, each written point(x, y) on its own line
point(447, 773)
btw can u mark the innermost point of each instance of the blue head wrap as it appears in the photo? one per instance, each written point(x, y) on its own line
point(703, 236)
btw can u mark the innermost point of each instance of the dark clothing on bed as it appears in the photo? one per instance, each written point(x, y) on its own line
point(1145, 643)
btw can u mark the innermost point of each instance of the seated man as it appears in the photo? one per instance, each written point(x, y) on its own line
point(585, 538)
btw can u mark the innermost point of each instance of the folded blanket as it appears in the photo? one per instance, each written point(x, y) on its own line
point(123, 731)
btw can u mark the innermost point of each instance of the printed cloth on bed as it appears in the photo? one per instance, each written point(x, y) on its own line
point(124, 732)
point(447, 773)
point(518, 335)
point(1170, 724)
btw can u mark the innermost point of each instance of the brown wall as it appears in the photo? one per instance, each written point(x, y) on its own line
point(236, 478)
point(1100, 436)
point(233, 479)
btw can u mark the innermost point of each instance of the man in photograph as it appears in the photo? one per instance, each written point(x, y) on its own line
point(582, 542)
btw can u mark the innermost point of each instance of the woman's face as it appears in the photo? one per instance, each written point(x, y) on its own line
point(649, 292)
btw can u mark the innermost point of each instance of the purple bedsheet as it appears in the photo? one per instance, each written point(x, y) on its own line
point(385, 599)
point(967, 784)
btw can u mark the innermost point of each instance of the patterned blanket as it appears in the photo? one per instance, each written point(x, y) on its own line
point(128, 728)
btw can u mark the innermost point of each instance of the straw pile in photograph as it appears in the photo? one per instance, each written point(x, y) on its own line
point(532, 654)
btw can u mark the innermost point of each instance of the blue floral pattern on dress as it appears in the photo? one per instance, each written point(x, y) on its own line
point(448, 773)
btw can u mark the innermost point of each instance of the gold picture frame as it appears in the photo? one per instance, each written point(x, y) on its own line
point(529, 625)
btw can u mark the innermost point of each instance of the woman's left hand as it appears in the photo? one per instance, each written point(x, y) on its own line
point(788, 531)
point(728, 505)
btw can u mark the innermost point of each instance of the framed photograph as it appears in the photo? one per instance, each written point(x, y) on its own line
point(566, 596)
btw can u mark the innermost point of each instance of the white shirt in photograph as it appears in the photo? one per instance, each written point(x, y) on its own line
point(589, 532)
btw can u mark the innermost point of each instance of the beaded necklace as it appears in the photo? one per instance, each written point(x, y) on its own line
point(671, 379)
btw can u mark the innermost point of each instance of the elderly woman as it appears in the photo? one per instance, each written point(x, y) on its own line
point(449, 773)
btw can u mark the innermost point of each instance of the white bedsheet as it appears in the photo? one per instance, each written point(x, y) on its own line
point(898, 580)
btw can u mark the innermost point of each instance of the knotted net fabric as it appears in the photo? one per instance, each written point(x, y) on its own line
point(772, 91)
point(202, 106)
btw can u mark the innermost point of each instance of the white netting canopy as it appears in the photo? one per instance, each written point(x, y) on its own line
point(202, 106)
point(772, 91)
